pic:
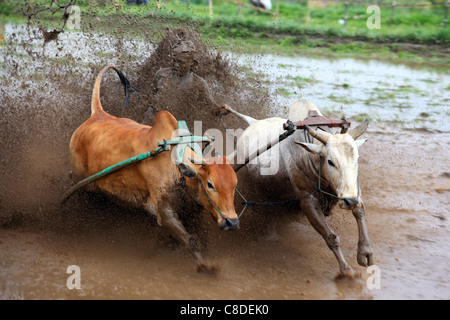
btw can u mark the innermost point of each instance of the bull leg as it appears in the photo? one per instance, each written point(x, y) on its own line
point(311, 207)
point(365, 252)
point(168, 219)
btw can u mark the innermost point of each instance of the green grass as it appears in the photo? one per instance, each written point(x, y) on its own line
point(288, 33)
point(361, 117)
point(340, 99)
point(414, 25)
point(285, 92)
point(300, 82)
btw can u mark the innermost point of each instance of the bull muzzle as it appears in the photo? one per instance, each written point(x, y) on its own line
point(230, 224)
point(349, 203)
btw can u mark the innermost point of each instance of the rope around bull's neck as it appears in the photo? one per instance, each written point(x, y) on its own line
point(318, 190)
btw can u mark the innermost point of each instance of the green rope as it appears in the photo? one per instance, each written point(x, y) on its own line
point(114, 168)
point(162, 146)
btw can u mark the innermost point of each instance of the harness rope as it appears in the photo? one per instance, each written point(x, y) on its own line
point(319, 191)
point(162, 146)
point(218, 210)
point(165, 146)
point(212, 202)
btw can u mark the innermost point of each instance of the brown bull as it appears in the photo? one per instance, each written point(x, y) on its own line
point(152, 184)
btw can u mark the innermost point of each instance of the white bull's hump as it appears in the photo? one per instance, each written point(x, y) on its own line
point(263, 131)
point(298, 110)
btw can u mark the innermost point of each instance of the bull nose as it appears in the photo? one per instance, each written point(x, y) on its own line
point(351, 202)
point(230, 224)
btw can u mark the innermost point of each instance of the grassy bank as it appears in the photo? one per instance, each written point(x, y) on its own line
point(412, 35)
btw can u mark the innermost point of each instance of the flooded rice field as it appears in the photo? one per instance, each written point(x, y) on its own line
point(379, 91)
point(276, 254)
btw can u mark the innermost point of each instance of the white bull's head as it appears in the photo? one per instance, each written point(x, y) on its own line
point(340, 156)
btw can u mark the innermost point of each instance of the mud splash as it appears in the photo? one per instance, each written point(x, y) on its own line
point(46, 94)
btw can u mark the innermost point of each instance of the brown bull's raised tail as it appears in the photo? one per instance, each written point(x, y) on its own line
point(96, 105)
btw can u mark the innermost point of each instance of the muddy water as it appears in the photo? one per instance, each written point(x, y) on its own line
point(276, 254)
point(384, 92)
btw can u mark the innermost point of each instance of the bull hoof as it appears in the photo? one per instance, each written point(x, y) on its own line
point(365, 259)
point(210, 269)
point(348, 275)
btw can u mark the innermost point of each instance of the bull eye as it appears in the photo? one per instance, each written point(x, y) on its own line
point(331, 163)
point(210, 185)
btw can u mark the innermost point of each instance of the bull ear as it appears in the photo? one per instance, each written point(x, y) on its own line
point(186, 170)
point(310, 147)
point(359, 142)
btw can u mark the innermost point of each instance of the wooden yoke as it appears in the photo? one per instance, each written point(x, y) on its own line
point(313, 119)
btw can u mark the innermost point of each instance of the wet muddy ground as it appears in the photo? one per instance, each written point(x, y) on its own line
point(122, 257)
point(123, 254)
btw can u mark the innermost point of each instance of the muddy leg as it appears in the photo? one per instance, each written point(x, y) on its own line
point(168, 219)
point(365, 251)
point(311, 207)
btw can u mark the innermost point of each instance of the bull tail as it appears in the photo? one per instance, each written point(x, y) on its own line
point(96, 105)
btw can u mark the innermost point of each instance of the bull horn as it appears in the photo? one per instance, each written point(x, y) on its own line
point(197, 161)
point(207, 149)
point(359, 130)
point(320, 135)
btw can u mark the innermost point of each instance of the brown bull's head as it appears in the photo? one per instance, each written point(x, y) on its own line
point(340, 156)
point(216, 184)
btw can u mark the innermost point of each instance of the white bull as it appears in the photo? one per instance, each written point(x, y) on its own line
point(296, 163)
